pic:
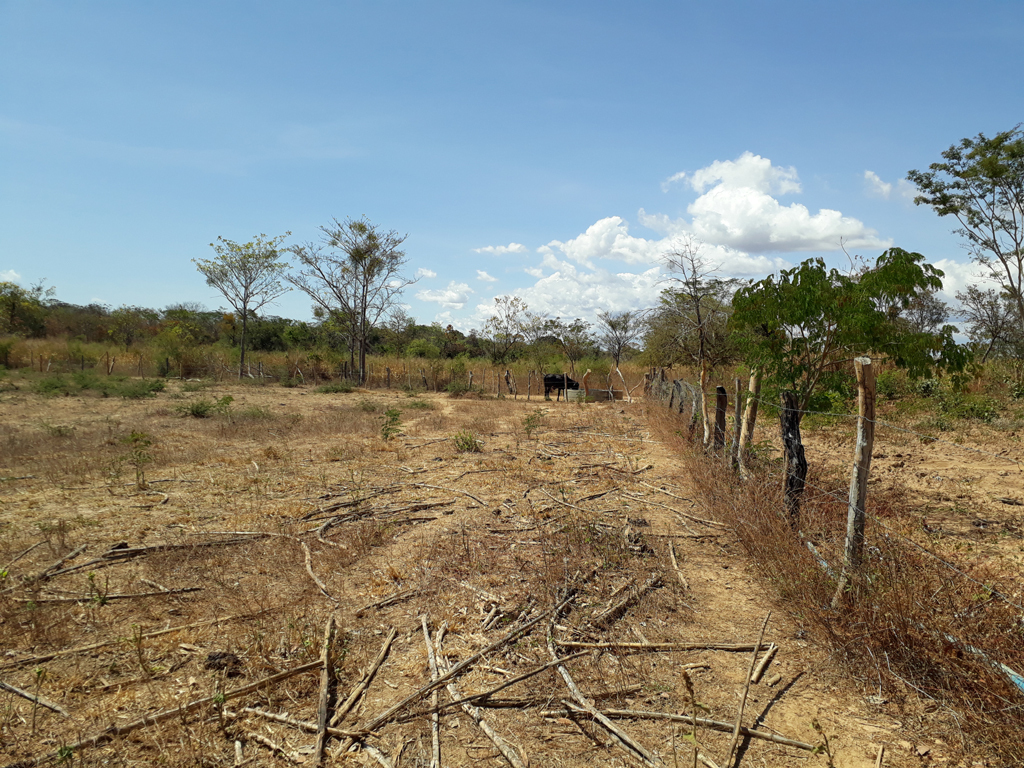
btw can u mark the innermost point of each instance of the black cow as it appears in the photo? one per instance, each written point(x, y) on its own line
point(558, 383)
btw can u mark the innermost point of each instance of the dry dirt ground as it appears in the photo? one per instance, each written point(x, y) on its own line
point(288, 507)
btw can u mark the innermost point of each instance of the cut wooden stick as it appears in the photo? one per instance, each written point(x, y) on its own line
point(34, 698)
point(168, 714)
point(615, 611)
point(435, 730)
point(715, 725)
point(743, 699)
point(503, 747)
point(300, 724)
point(449, 490)
point(664, 646)
point(353, 697)
point(881, 755)
point(511, 635)
point(100, 598)
point(587, 705)
point(93, 646)
point(273, 746)
point(396, 598)
point(759, 670)
point(323, 702)
point(675, 566)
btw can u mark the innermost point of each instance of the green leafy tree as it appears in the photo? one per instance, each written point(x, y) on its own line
point(504, 329)
point(576, 339)
point(981, 184)
point(804, 326)
point(23, 310)
point(354, 276)
point(129, 324)
point(993, 322)
point(248, 275)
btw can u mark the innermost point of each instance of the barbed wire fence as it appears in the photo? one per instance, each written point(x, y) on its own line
point(681, 397)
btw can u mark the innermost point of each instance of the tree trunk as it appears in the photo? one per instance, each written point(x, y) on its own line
point(241, 358)
point(796, 462)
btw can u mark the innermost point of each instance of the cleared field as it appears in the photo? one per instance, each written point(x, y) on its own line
point(169, 581)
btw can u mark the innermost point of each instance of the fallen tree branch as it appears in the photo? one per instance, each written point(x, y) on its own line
point(743, 699)
point(34, 698)
point(168, 714)
point(715, 725)
point(363, 684)
point(664, 646)
point(93, 646)
point(104, 598)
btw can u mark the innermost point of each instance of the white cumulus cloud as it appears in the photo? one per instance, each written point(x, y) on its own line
point(10, 276)
point(499, 250)
point(876, 187)
point(455, 296)
point(737, 208)
point(481, 275)
point(958, 275)
point(424, 272)
point(608, 238)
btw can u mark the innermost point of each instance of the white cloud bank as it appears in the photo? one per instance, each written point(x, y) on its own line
point(10, 276)
point(737, 208)
point(737, 216)
point(455, 296)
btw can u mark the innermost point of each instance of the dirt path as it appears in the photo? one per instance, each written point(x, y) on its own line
point(558, 502)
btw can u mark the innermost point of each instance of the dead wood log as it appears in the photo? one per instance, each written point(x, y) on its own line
point(396, 598)
point(300, 724)
point(502, 746)
point(741, 647)
point(606, 617)
point(715, 725)
point(323, 700)
point(35, 698)
point(105, 598)
point(364, 683)
point(675, 567)
point(94, 646)
point(158, 717)
point(435, 725)
point(587, 705)
point(765, 661)
point(743, 699)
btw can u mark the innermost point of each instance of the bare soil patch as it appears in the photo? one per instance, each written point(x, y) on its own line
point(288, 507)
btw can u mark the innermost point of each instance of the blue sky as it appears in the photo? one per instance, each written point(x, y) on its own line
point(553, 150)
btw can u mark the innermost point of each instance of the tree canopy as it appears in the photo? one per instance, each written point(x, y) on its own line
point(981, 184)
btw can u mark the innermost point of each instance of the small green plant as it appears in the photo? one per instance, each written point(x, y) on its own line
point(98, 593)
point(138, 455)
point(533, 421)
point(203, 408)
point(367, 406)
point(137, 389)
point(337, 387)
point(824, 748)
point(465, 442)
point(391, 425)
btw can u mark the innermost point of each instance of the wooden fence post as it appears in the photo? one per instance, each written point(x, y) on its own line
point(749, 419)
point(861, 469)
point(735, 453)
point(529, 385)
point(796, 462)
point(721, 404)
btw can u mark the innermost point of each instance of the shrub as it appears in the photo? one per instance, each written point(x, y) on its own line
point(961, 405)
point(202, 409)
point(891, 384)
point(135, 389)
point(420, 405)
point(465, 442)
point(336, 387)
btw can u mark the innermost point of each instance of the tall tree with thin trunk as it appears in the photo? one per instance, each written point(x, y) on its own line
point(354, 276)
point(248, 275)
point(699, 303)
point(980, 183)
point(617, 331)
